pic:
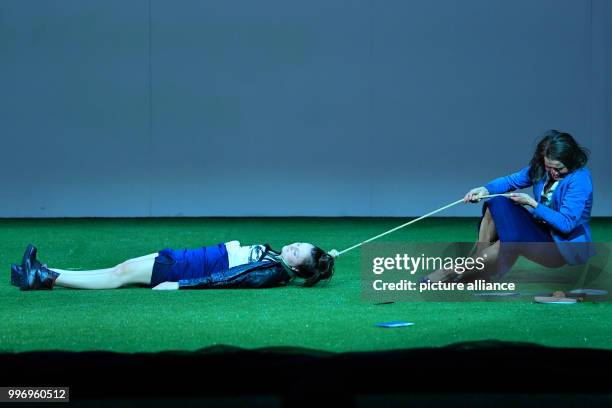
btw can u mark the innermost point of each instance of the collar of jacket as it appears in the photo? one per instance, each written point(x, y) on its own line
point(538, 187)
point(277, 256)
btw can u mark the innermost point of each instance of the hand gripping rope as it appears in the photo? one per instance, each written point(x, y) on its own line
point(412, 222)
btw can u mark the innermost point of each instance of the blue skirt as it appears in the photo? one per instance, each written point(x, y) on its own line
point(518, 230)
point(514, 223)
point(172, 265)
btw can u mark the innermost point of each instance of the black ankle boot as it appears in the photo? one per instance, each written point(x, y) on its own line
point(16, 275)
point(37, 276)
point(29, 254)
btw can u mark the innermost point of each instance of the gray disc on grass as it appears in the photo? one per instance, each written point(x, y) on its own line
point(554, 300)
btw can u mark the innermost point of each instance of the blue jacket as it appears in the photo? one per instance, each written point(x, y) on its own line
point(569, 213)
point(261, 274)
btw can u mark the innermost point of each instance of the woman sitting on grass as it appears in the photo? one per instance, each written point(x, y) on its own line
point(551, 229)
point(222, 266)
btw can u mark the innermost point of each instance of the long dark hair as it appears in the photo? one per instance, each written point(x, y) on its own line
point(557, 145)
point(320, 267)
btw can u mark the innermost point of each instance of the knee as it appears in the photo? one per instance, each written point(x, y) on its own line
point(499, 201)
point(121, 272)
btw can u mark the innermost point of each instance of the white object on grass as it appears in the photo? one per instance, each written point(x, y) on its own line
point(394, 324)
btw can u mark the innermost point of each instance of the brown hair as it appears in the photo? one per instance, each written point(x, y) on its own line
point(560, 146)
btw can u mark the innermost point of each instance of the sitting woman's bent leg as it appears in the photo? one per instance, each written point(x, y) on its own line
point(132, 271)
point(544, 253)
point(487, 232)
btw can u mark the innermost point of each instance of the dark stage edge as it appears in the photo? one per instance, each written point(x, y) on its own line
point(500, 373)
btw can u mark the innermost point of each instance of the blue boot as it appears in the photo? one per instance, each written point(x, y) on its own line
point(36, 275)
point(16, 275)
point(17, 271)
point(29, 253)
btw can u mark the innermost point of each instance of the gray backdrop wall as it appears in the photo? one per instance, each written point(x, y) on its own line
point(288, 108)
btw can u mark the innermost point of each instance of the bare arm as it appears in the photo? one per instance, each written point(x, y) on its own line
point(167, 286)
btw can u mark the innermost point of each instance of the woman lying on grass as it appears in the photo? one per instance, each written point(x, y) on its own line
point(222, 266)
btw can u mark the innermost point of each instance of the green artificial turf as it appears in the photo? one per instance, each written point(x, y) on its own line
point(329, 317)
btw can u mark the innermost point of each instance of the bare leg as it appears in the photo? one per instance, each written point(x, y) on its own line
point(490, 254)
point(488, 244)
point(487, 234)
point(132, 271)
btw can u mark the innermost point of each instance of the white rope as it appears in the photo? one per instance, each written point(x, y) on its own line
point(413, 221)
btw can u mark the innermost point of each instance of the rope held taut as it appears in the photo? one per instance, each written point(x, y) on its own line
point(413, 221)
